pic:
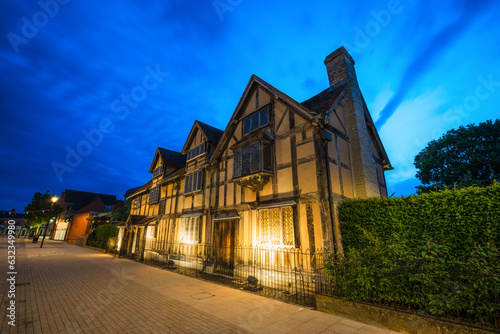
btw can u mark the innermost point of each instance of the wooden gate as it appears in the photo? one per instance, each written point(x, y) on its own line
point(224, 257)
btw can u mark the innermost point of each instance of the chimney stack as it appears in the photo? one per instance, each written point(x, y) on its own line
point(340, 68)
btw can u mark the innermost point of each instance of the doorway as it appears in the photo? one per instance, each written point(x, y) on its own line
point(225, 247)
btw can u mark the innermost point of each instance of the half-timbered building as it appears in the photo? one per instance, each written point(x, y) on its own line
point(270, 181)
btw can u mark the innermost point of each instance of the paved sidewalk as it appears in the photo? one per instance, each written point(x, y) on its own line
point(69, 289)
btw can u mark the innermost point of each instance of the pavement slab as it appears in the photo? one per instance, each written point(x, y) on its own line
point(62, 288)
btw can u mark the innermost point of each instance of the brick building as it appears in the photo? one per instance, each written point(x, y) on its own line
point(78, 206)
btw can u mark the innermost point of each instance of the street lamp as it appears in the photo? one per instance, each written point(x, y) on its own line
point(54, 199)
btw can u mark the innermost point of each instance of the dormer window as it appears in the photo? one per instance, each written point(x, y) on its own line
point(256, 120)
point(196, 151)
point(253, 158)
point(157, 171)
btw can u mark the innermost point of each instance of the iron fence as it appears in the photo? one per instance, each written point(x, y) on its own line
point(293, 275)
point(287, 274)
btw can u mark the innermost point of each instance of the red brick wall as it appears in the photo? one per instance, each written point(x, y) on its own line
point(96, 205)
point(79, 227)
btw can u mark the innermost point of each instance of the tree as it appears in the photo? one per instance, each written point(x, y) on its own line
point(41, 209)
point(463, 157)
point(121, 214)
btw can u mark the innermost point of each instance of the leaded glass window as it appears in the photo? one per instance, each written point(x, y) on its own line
point(196, 151)
point(256, 120)
point(189, 232)
point(276, 227)
point(193, 182)
point(137, 202)
point(237, 163)
point(157, 171)
point(252, 158)
point(255, 157)
point(153, 195)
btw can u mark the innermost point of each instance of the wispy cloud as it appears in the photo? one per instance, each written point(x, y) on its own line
point(431, 52)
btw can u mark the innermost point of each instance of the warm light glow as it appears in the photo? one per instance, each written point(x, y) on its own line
point(54, 199)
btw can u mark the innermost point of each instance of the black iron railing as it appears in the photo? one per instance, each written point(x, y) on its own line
point(287, 274)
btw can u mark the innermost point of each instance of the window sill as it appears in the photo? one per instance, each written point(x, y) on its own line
point(192, 193)
point(198, 156)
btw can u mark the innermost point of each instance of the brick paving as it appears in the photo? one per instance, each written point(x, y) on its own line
point(69, 289)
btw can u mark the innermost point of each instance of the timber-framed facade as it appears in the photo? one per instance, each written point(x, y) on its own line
point(271, 180)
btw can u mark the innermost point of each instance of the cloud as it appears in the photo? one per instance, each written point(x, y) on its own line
point(430, 53)
point(405, 133)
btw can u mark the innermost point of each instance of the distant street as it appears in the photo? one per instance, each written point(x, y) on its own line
point(69, 289)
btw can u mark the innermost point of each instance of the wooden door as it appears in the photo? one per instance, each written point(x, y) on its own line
point(224, 259)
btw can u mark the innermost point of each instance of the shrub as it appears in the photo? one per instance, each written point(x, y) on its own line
point(428, 279)
point(99, 237)
point(461, 218)
point(104, 232)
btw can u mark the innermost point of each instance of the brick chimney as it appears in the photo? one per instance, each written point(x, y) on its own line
point(340, 68)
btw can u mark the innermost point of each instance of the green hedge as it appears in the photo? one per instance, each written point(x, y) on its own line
point(428, 279)
point(104, 232)
point(460, 218)
point(99, 238)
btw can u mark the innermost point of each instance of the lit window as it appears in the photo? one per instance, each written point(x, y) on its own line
point(253, 158)
point(193, 182)
point(190, 230)
point(255, 121)
point(198, 150)
point(157, 171)
point(153, 195)
point(137, 202)
point(151, 232)
point(276, 227)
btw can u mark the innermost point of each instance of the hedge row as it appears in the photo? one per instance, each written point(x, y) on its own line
point(461, 218)
point(427, 280)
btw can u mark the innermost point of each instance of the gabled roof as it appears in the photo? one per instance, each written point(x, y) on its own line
point(131, 191)
point(210, 133)
point(177, 173)
point(325, 101)
point(322, 103)
point(83, 197)
point(138, 190)
point(169, 157)
point(254, 81)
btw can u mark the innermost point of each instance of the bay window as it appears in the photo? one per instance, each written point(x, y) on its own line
point(253, 158)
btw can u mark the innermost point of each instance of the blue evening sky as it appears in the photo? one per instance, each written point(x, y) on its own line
point(72, 69)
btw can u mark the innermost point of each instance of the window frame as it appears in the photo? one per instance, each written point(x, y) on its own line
point(137, 202)
point(196, 176)
point(199, 146)
point(239, 159)
point(250, 120)
point(154, 195)
point(157, 171)
point(282, 244)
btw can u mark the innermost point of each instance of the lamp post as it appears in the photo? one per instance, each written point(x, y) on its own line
point(54, 199)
